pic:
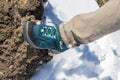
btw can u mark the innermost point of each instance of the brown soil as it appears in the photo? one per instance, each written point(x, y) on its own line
point(101, 2)
point(17, 61)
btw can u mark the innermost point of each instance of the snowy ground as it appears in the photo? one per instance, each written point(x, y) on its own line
point(99, 60)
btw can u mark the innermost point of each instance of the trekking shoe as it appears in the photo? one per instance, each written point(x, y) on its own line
point(43, 37)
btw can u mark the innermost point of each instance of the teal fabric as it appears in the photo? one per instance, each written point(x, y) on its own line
point(48, 37)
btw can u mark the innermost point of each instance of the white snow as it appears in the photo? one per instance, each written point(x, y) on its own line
point(99, 60)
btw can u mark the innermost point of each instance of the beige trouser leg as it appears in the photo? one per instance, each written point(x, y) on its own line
point(85, 28)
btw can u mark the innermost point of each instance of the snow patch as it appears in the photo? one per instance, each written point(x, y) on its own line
point(99, 60)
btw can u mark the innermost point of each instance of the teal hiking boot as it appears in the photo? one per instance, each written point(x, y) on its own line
point(43, 37)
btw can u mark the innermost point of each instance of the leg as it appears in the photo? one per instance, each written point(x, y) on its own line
point(86, 28)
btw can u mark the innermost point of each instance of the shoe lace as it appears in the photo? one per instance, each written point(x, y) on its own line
point(49, 32)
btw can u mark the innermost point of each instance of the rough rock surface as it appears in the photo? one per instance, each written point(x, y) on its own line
point(17, 61)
